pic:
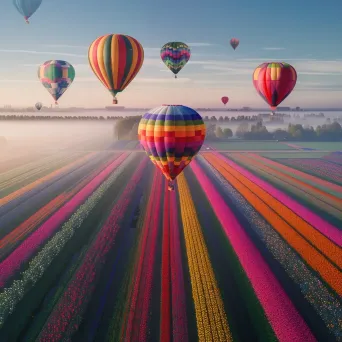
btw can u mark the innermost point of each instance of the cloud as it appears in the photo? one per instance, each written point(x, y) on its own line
point(66, 46)
point(199, 44)
point(18, 81)
point(33, 52)
point(273, 48)
point(161, 80)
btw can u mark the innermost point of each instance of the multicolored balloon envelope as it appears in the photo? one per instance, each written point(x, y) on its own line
point(27, 7)
point(171, 135)
point(234, 42)
point(175, 55)
point(225, 100)
point(274, 82)
point(56, 77)
point(115, 60)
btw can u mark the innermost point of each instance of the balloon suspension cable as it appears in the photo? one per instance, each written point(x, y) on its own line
point(171, 186)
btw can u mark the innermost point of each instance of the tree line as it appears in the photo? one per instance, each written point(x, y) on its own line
point(294, 132)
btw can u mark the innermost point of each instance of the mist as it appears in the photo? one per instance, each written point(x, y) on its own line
point(23, 138)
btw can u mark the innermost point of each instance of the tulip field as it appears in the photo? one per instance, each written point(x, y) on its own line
point(93, 247)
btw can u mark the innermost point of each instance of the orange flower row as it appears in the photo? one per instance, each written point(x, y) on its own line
point(280, 217)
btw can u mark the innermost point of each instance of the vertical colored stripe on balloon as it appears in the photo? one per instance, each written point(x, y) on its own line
point(114, 62)
point(108, 61)
point(137, 59)
point(94, 62)
point(130, 63)
point(100, 52)
point(122, 61)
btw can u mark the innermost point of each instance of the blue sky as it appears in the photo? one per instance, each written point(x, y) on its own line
point(306, 34)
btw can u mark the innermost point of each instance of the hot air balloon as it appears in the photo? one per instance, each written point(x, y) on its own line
point(27, 7)
point(225, 100)
point(175, 55)
point(274, 82)
point(38, 105)
point(56, 77)
point(171, 136)
point(115, 59)
point(234, 42)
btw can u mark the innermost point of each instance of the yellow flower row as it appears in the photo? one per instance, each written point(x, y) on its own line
point(212, 323)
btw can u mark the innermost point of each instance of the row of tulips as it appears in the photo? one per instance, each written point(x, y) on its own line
point(310, 217)
point(315, 291)
point(318, 197)
point(32, 166)
point(10, 296)
point(319, 167)
point(314, 191)
point(285, 320)
point(335, 157)
point(28, 248)
point(136, 325)
point(290, 188)
point(298, 233)
point(172, 282)
point(179, 318)
point(309, 179)
point(66, 317)
point(37, 172)
point(49, 177)
point(17, 235)
point(11, 161)
point(212, 323)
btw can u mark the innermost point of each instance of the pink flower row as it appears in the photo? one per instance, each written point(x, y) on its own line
point(179, 318)
point(314, 179)
point(29, 247)
point(319, 167)
point(285, 320)
point(327, 229)
point(82, 284)
point(137, 319)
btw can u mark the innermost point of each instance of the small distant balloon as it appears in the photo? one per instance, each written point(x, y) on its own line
point(39, 105)
point(175, 55)
point(234, 42)
point(274, 82)
point(56, 76)
point(27, 7)
point(225, 100)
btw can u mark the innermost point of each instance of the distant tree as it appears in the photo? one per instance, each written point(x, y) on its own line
point(242, 129)
point(220, 118)
point(227, 133)
point(219, 132)
point(280, 134)
point(213, 118)
point(210, 131)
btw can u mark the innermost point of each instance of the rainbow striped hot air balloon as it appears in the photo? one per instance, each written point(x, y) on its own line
point(175, 55)
point(274, 82)
point(115, 59)
point(171, 135)
point(56, 76)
